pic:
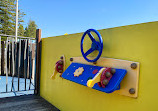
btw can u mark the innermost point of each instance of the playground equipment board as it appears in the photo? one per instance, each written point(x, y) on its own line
point(128, 43)
point(88, 74)
point(130, 80)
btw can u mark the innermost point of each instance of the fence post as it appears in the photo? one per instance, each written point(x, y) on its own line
point(38, 61)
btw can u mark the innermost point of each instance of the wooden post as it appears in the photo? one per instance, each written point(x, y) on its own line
point(2, 57)
point(38, 61)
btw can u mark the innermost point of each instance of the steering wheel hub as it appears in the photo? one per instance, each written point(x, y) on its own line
point(95, 45)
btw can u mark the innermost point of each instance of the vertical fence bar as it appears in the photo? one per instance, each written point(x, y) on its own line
point(30, 61)
point(6, 66)
point(28, 64)
point(12, 62)
point(25, 62)
point(8, 57)
point(11, 68)
point(19, 61)
point(2, 58)
point(0, 53)
point(13, 65)
point(34, 64)
point(38, 61)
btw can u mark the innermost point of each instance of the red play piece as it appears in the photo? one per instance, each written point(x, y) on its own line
point(59, 66)
point(95, 71)
point(99, 84)
point(103, 77)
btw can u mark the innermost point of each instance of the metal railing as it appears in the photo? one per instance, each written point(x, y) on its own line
point(17, 64)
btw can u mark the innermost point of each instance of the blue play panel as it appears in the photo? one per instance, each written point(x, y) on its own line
point(114, 83)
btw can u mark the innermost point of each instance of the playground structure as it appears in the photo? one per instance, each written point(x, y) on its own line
point(126, 48)
point(121, 75)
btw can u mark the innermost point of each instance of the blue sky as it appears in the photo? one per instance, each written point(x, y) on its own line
point(57, 17)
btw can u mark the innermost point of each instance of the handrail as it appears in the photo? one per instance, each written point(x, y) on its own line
point(17, 36)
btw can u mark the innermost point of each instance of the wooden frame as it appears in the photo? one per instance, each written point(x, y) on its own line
point(130, 80)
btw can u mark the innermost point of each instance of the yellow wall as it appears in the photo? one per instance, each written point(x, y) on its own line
point(135, 43)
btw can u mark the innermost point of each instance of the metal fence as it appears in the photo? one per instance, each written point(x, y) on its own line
point(17, 62)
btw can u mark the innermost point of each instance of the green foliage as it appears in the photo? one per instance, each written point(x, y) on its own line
point(26, 32)
point(7, 18)
point(30, 31)
point(21, 30)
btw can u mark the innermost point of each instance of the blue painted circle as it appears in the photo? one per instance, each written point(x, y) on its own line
point(96, 45)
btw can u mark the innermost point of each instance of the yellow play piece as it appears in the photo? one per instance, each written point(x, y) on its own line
point(78, 71)
point(54, 73)
point(96, 79)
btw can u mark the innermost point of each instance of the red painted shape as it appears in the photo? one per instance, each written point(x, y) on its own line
point(103, 76)
point(95, 71)
point(99, 84)
point(58, 64)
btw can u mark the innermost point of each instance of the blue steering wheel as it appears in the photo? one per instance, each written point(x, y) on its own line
point(95, 45)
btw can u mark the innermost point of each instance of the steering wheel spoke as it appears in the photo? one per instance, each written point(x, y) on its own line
point(91, 37)
point(89, 51)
